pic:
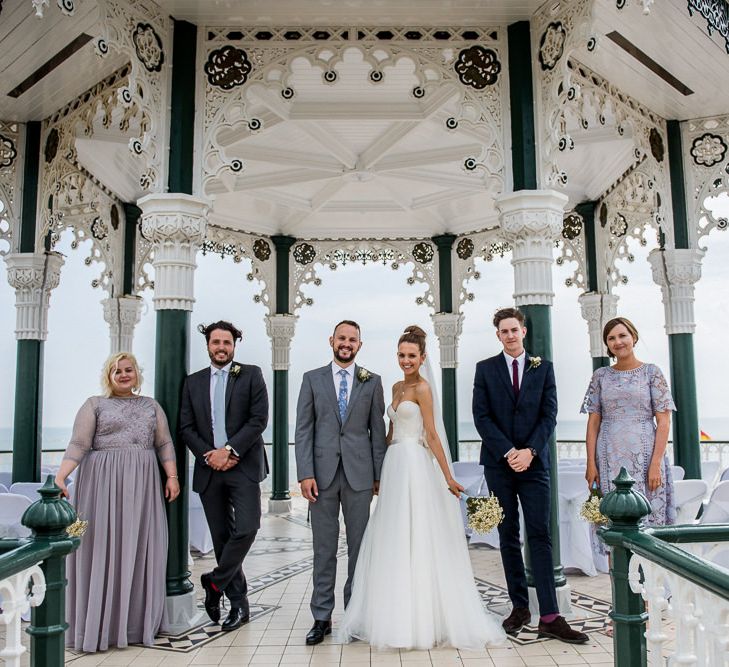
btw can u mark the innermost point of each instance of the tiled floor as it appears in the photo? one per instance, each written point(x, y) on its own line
point(279, 574)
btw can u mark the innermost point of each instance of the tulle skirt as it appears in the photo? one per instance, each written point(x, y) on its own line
point(413, 585)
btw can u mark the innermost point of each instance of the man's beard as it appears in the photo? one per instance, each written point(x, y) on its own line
point(219, 364)
point(351, 357)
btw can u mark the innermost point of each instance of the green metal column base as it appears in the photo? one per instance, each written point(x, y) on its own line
point(280, 480)
point(600, 362)
point(171, 363)
point(628, 615)
point(686, 440)
point(538, 342)
point(450, 409)
point(27, 442)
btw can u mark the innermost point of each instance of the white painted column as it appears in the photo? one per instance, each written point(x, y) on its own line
point(122, 314)
point(448, 328)
point(597, 310)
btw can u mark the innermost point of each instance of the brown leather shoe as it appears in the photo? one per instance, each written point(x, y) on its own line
point(560, 629)
point(516, 620)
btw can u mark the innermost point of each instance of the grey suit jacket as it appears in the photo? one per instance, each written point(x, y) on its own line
point(323, 438)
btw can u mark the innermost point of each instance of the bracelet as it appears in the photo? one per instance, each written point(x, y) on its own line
point(172, 477)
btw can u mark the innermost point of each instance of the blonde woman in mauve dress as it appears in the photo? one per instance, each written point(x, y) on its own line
point(116, 579)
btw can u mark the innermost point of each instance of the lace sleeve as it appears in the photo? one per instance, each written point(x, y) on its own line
point(84, 430)
point(591, 402)
point(162, 438)
point(661, 399)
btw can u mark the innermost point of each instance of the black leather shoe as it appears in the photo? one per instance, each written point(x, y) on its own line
point(516, 620)
point(318, 631)
point(560, 629)
point(212, 598)
point(236, 617)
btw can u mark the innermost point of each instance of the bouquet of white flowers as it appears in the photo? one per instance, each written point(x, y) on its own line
point(484, 513)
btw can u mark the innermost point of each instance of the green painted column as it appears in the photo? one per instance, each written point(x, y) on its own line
point(33, 275)
point(281, 328)
point(598, 306)
point(448, 326)
point(677, 270)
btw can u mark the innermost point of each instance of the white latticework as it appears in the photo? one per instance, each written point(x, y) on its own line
point(487, 245)
point(687, 624)
point(18, 593)
point(11, 134)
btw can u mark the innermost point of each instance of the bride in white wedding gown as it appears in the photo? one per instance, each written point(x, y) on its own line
point(413, 585)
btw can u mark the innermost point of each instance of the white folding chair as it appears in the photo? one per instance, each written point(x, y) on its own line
point(709, 470)
point(12, 507)
point(723, 475)
point(575, 535)
point(3, 488)
point(689, 494)
point(678, 473)
point(6, 479)
point(200, 538)
point(571, 463)
point(716, 510)
point(27, 489)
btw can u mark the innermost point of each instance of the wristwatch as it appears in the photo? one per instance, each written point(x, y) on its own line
point(533, 451)
point(230, 450)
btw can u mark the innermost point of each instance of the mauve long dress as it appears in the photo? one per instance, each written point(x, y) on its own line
point(627, 402)
point(116, 579)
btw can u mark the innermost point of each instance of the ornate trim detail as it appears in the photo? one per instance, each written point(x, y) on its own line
point(597, 310)
point(281, 329)
point(148, 47)
point(448, 328)
point(708, 149)
point(677, 271)
point(572, 246)
point(8, 152)
point(122, 314)
point(716, 13)
point(477, 67)
point(10, 182)
point(551, 45)
point(656, 143)
point(485, 245)
point(33, 276)
point(227, 67)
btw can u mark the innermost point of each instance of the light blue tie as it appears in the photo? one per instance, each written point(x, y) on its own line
point(342, 398)
point(219, 434)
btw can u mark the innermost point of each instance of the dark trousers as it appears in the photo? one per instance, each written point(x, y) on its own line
point(233, 512)
point(531, 489)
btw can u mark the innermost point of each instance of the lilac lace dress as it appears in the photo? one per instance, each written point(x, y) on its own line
point(627, 402)
point(116, 579)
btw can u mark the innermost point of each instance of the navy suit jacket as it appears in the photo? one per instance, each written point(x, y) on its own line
point(503, 421)
point(246, 415)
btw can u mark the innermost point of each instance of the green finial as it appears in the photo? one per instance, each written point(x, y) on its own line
point(625, 507)
point(51, 515)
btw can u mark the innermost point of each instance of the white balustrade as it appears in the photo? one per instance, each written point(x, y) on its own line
point(687, 624)
point(18, 593)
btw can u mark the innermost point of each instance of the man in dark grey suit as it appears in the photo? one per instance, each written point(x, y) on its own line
point(340, 445)
point(223, 413)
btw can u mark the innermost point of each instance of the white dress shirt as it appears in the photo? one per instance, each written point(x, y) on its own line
point(521, 360)
point(338, 379)
point(226, 373)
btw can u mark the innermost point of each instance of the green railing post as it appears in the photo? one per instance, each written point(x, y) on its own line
point(625, 508)
point(48, 519)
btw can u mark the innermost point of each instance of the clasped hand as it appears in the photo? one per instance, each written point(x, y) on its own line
point(220, 459)
point(520, 459)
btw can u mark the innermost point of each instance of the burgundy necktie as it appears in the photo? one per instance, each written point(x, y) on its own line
point(515, 377)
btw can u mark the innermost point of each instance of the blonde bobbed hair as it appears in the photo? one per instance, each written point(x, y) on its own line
point(111, 364)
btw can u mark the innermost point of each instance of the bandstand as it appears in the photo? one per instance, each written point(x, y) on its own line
point(298, 135)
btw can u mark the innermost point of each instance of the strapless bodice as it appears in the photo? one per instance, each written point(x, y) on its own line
point(407, 422)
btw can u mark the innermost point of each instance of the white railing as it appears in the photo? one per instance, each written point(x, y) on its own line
point(687, 624)
point(18, 593)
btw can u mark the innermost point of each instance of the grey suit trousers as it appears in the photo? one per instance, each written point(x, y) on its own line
point(325, 528)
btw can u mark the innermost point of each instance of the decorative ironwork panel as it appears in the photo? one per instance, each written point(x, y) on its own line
point(10, 187)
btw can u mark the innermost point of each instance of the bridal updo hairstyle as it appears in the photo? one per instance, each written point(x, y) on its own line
point(414, 334)
point(616, 321)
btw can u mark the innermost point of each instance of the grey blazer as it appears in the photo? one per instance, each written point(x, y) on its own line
point(323, 439)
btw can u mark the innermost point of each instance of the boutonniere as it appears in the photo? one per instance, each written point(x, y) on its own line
point(534, 362)
point(363, 374)
point(235, 370)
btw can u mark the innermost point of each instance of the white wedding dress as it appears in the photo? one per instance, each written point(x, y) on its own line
point(413, 585)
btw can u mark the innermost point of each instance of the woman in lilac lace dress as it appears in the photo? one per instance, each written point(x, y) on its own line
point(116, 579)
point(629, 406)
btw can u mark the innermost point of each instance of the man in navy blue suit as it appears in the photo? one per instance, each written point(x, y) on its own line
point(515, 412)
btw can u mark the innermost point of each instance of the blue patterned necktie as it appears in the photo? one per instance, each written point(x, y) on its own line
point(219, 434)
point(342, 398)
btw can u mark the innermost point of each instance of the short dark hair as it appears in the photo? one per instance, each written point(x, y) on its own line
point(611, 324)
point(208, 329)
point(506, 313)
point(350, 323)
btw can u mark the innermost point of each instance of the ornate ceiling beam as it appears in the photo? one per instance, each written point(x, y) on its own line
point(432, 156)
point(471, 183)
point(331, 143)
point(284, 156)
point(273, 179)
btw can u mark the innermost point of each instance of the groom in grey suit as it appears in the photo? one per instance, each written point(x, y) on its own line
point(340, 445)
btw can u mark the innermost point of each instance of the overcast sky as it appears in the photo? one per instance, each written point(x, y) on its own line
point(381, 301)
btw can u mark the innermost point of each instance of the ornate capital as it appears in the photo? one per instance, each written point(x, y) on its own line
point(448, 327)
point(33, 276)
point(175, 224)
point(597, 310)
point(122, 314)
point(281, 329)
point(531, 221)
point(677, 270)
